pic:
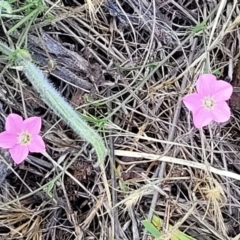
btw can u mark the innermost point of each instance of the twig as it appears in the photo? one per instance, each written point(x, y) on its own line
point(167, 159)
point(115, 224)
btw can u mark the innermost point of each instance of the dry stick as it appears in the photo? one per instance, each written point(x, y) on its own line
point(116, 229)
point(237, 237)
point(179, 161)
point(216, 21)
point(161, 169)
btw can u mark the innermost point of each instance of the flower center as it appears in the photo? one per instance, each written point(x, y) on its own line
point(208, 103)
point(24, 138)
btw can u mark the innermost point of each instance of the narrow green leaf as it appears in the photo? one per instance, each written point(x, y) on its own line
point(26, 18)
point(151, 228)
point(24, 54)
point(6, 6)
point(176, 234)
point(179, 235)
point(217, 73)
point(199, 27)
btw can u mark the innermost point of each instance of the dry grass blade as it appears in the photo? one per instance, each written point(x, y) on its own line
point(155, 157)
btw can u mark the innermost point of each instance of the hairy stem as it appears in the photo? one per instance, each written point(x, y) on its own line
point(58, 104)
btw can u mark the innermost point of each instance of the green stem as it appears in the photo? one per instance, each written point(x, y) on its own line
point(58, 104)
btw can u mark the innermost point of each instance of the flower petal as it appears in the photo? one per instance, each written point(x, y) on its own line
point(221, 112)
point(14, 123)
point(206, 84)
point(37, 144)
point(222, 91)
point(202, 117)
point(32, 125)
point(8, 140)
point(19, 153)
point(193, 101)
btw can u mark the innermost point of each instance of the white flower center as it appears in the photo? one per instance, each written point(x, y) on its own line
point(208, 103)
point(24, 138)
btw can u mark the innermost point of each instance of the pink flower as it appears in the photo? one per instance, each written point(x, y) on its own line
point(21, 137)
point(209, 103)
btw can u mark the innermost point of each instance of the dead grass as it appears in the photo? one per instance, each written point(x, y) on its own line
point(142, 58)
